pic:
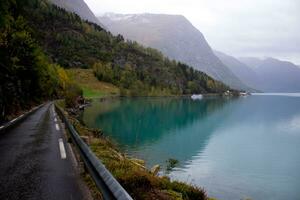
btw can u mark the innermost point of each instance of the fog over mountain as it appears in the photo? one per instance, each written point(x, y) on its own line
point(176, 37)
point(79, 7)
point(268, 75)
point(245, 28)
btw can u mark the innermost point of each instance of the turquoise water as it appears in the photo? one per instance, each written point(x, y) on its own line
point(247, 147)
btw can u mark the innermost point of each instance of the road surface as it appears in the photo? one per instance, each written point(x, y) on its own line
point(36, 163)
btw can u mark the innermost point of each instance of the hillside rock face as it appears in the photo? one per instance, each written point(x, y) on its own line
point(79, 7)
point(174, 36)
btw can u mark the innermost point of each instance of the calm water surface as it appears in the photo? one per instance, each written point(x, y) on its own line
point(235, 148)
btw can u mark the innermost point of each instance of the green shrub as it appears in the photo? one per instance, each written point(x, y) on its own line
point(73, 92)
point(171, 163)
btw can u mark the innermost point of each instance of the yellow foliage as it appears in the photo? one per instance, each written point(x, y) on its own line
point(210, 84)
point(63, 77)
point(87, 28)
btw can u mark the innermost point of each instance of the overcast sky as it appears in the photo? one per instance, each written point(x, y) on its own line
point(263, 28)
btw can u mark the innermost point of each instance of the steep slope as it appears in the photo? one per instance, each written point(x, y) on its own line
point(275, 75)
point(176, 37)
point(245, 73)
point(79, 7)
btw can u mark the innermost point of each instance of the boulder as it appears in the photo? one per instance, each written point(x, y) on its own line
point(155, 169)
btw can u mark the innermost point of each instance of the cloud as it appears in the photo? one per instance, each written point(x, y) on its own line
point(237, 27)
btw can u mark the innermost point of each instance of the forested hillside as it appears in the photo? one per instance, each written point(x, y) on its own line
point(176, 37)
point(27, 75)
point(37, 38)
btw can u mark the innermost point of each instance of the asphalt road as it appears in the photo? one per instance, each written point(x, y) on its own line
point(33, 163)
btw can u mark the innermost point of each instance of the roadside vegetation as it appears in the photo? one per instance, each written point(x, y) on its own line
point(138, 181)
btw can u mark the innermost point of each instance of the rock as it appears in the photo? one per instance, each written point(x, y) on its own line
point(139, 161)
point(155, 169)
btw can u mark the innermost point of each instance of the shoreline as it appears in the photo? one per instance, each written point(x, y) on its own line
point(131, 172)
point(103, 98)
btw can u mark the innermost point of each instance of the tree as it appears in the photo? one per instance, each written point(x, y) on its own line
point(104, 71)
point(128, 76)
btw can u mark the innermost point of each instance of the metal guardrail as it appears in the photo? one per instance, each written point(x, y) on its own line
point(7, 126)
point(106, 183)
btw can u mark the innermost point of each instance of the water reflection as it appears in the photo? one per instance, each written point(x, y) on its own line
point(254, 154)
point(234, 148)
point(157, 129)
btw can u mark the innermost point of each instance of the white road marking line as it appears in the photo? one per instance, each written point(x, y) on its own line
point(13, 120)
point(21, 116)
point(1, 127)
point(63, 154)
point(57, 127)
point(55, 119)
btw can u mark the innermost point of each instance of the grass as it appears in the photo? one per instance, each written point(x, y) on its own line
point(90, 93)
point(91, 86)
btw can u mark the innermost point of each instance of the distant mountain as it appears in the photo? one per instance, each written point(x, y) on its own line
point(176, 37)
point(79, 7)
point(241, 70)
point(275, 75)
point(269, 75)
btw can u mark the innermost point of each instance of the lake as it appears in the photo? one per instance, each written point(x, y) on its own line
point(236, 148)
